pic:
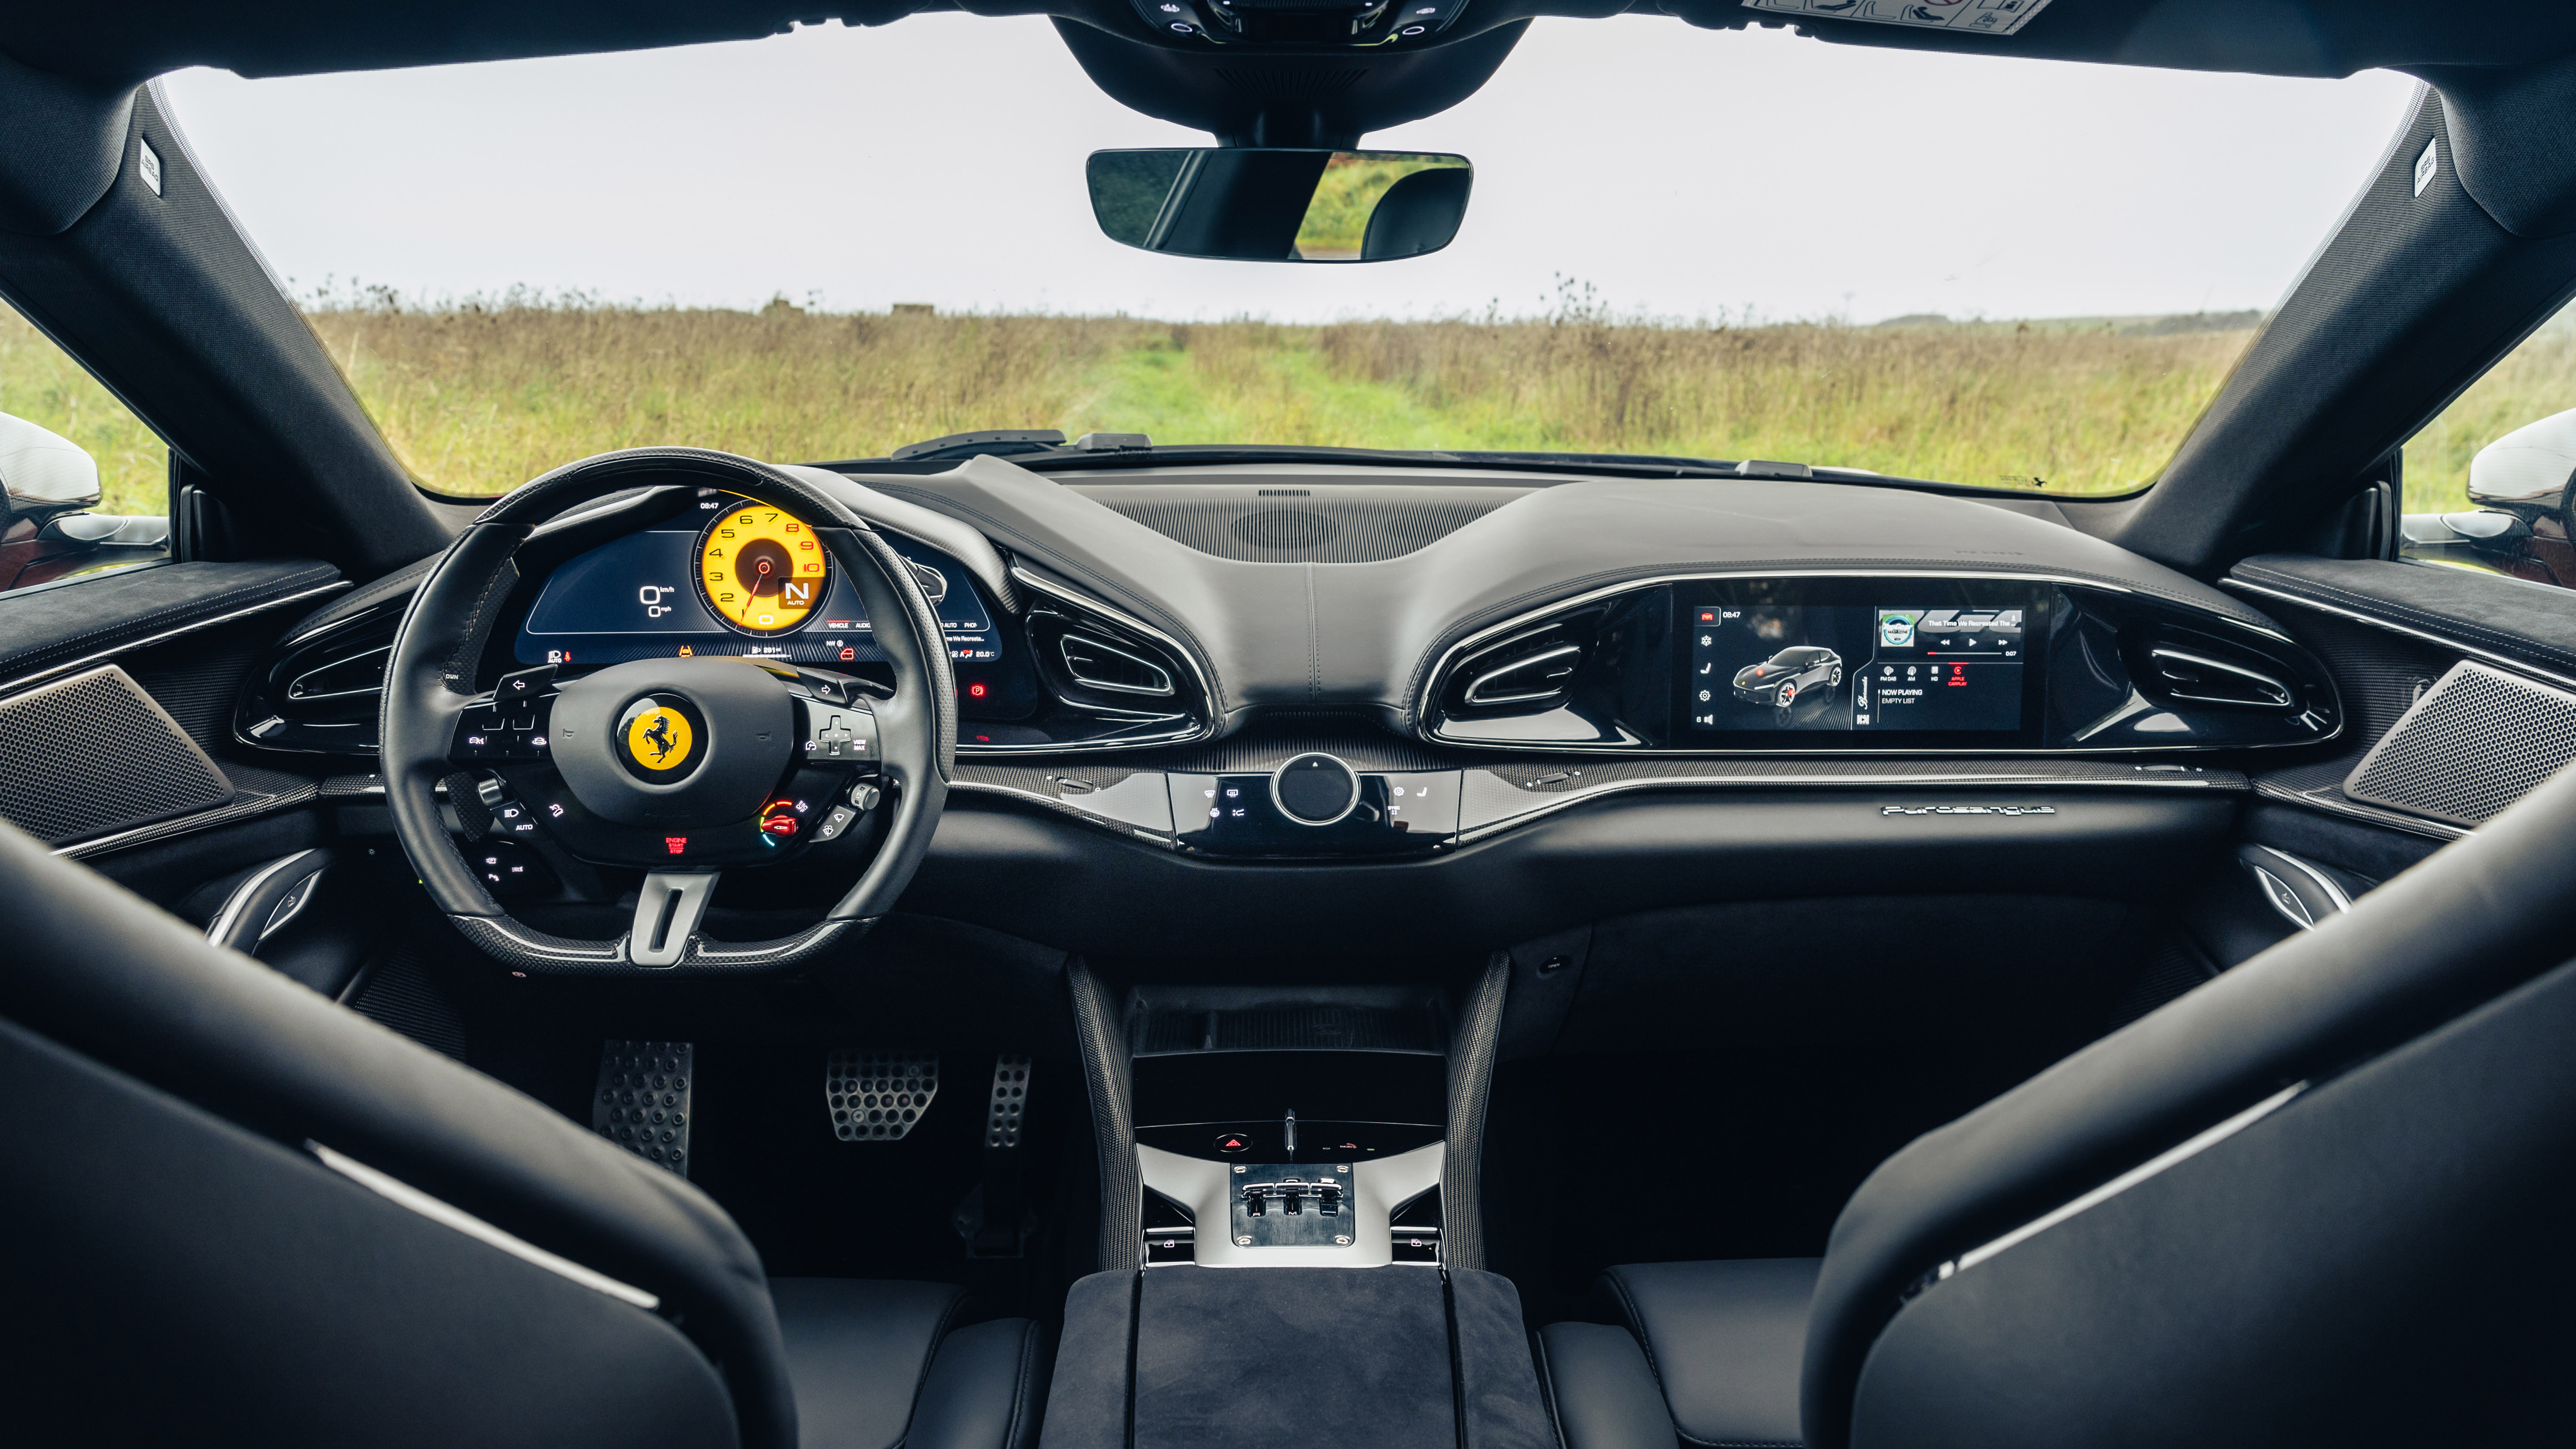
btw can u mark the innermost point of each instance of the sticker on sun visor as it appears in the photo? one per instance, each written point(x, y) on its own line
point(1984, 17)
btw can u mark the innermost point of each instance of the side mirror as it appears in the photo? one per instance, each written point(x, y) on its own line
point(1264, 204)
point(44, 475)
point(2527, 471)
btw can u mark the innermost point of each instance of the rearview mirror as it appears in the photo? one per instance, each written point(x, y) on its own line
point(1260, 204)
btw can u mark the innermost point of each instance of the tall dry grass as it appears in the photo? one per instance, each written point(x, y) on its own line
point(480, 397)
point(2085, 411)
point(42, 384)
point(2532, 382)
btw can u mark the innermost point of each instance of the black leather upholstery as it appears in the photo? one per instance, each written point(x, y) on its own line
point(1602, 1392)
point(877, 1365)
point(181, 1239)
point(1945, 1239)
point(1722, 1341)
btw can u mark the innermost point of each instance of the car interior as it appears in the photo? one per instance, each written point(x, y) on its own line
point(1088, 944)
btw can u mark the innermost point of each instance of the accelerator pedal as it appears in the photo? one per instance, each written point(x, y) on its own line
point(1010, 1099)
point(642, 1103)
point(878, 1096)
point(994, 1219)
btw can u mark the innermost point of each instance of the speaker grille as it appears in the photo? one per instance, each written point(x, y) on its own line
point(1327, 530)
point(2476, 742)
point(93, 754)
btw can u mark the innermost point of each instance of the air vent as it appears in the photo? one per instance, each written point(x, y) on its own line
point(1106, 666)
point(1527, 680)
point(2192, 675)
point(1535, 669)
point(320, 693)
point(362, 673)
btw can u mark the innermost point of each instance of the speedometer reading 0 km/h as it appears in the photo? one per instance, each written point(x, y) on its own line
point(761, 571)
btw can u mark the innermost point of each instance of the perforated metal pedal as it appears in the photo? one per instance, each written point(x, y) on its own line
point(877, 1096)
point(1010, 1099)
point(642, 1103)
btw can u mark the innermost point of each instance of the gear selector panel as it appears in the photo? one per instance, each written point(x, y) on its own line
point(1292, 1206)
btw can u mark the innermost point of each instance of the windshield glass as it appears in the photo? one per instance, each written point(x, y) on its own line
point(1722, 245)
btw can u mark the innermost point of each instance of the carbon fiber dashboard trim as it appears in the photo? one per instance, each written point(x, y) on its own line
point(1498, 796)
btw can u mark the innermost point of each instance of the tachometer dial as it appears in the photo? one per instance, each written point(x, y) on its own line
point(761, 570)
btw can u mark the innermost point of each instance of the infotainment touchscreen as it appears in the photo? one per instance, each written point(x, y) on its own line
point(1910, 660)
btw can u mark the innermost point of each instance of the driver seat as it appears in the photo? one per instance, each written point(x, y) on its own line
point(237, 1211)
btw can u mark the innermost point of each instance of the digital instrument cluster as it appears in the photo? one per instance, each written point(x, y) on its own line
point(733, 577)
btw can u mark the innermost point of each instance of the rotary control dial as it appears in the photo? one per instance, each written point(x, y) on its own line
point(1315, 789)
point(761, 570)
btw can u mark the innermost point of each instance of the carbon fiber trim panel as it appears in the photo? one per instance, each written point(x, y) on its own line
point(1471, 1078)
point(1097, 1029)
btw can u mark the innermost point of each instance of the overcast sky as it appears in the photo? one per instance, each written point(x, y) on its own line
point(1681, 172)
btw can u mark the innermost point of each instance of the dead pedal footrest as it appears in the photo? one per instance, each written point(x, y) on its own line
point(642, 1103)
point(878, 1096)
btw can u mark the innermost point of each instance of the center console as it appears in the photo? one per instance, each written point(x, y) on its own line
point(1290, 1146)
point(1276, 1133)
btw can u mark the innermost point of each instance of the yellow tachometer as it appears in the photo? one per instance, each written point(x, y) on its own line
point(760, 570)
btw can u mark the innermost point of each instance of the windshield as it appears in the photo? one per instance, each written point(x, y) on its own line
point(1712, 245)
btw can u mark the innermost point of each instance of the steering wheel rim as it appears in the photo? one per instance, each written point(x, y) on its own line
point(430, 678)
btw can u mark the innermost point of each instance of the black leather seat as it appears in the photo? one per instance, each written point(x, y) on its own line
point(238, 1213)
point(1706, 1350)
point(2320, 1200)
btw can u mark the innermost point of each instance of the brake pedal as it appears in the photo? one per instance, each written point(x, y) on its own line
point(878, 1096)
point(642, 1103)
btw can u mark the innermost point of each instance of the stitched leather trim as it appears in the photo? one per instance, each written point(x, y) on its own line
point(1016, 1430)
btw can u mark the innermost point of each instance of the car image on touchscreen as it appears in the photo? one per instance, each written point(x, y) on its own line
point(1894, 668)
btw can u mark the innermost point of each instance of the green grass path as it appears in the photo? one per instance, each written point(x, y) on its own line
point(1169, 394)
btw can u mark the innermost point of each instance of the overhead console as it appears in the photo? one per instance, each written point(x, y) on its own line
point(1880, 662)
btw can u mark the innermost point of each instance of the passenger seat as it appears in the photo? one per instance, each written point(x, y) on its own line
point(2320, 1200)
point(1708, 1352)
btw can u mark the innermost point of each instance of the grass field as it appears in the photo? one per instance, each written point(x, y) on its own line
point(2534, 380)
point(40, 384)
point(478, 398)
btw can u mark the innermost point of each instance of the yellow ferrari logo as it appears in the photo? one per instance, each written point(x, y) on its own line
point(659, 738)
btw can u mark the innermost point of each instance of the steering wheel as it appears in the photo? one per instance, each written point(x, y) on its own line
point(683, 766)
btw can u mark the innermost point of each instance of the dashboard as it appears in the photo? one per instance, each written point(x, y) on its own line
point(1348, 662)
